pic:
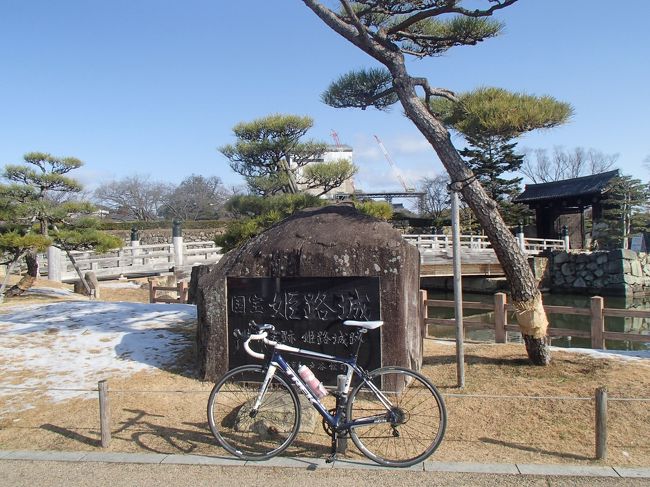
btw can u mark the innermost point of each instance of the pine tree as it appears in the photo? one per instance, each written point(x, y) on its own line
point(32, 203)
point(490, 157)
point(626, 197)
point(273, 158)
point(389, 31)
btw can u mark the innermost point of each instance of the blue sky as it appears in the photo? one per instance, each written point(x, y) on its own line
point(154, 87)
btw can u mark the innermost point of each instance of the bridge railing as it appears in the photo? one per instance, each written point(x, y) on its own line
point(133, 259)
point(532, 246)
point(537, 245)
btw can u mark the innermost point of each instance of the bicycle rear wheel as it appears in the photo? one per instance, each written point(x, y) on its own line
point(413, 427)
point(247, 435)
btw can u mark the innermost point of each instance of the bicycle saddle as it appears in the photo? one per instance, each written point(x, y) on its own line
point(368, 325)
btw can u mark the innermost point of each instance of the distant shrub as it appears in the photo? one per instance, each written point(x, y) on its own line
point(256, 214)
point(378, 209)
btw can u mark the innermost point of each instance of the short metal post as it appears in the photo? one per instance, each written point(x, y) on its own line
point(601, 423)
point(104, 414)
point(135, 244)
point(341, 441)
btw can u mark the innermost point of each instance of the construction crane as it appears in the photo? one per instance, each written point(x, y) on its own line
point(335, 136)
point(407, 188)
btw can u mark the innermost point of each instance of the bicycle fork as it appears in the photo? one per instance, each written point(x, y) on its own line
point(262, 392)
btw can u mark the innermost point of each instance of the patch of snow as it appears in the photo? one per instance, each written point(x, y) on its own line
point(609, 354)
point(47, 291)
point(75, 344)
point(121, 285)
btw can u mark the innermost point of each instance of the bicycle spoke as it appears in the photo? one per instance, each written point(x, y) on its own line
point(269, 431)
point(419, 415)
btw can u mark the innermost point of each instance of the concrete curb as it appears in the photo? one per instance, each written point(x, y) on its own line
point(321, 464)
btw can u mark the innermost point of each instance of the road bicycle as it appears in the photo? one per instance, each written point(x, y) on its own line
point(394, 415)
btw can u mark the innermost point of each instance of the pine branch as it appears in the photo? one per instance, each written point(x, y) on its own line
point(446, 9)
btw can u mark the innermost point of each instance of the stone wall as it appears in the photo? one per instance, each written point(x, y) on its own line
point(609, 273)
point(164, 235)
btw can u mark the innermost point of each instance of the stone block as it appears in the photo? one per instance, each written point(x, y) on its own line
point(560, 258)
point(627, 266)
point(615, 266)
point(623, 254)
point(567, 269)
point(579, 283)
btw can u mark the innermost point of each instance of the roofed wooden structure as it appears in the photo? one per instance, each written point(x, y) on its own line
point(569, 196)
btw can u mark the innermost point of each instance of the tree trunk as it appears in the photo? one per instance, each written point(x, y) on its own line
point(525, 294)
point(79, 273)
point(10, 268)
point(526, 297)
point(28, 279)
point(292, 187)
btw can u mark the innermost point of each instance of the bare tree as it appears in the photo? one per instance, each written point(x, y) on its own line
point(135, 197)
point(197, 197)
point(436, 198)
point(539, 167)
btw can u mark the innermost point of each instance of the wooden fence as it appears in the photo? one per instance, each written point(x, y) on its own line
point(181, 288)
point(597, 312)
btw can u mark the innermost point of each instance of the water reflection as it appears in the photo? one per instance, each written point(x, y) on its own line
point(557, 320)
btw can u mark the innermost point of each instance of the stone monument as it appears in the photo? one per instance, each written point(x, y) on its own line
point(332, 241)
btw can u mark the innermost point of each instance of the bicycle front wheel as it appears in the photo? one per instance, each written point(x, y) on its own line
point(247, 434)
point(410, 430)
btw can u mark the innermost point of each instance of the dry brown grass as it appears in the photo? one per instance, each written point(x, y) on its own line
point(522, 421)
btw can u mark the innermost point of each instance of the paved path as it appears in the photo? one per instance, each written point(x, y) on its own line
point(51, 468)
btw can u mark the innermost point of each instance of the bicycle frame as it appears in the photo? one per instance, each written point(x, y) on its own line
point(276, 361)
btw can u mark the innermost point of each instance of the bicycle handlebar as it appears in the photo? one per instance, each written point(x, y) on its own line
point(262, 333)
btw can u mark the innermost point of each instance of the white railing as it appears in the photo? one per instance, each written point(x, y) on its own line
point(136, 259)
point(531, 246)
point(538, 245)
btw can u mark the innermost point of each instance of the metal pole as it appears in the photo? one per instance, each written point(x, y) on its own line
point(177, 244)
point(601, 423)
point(458, 291)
